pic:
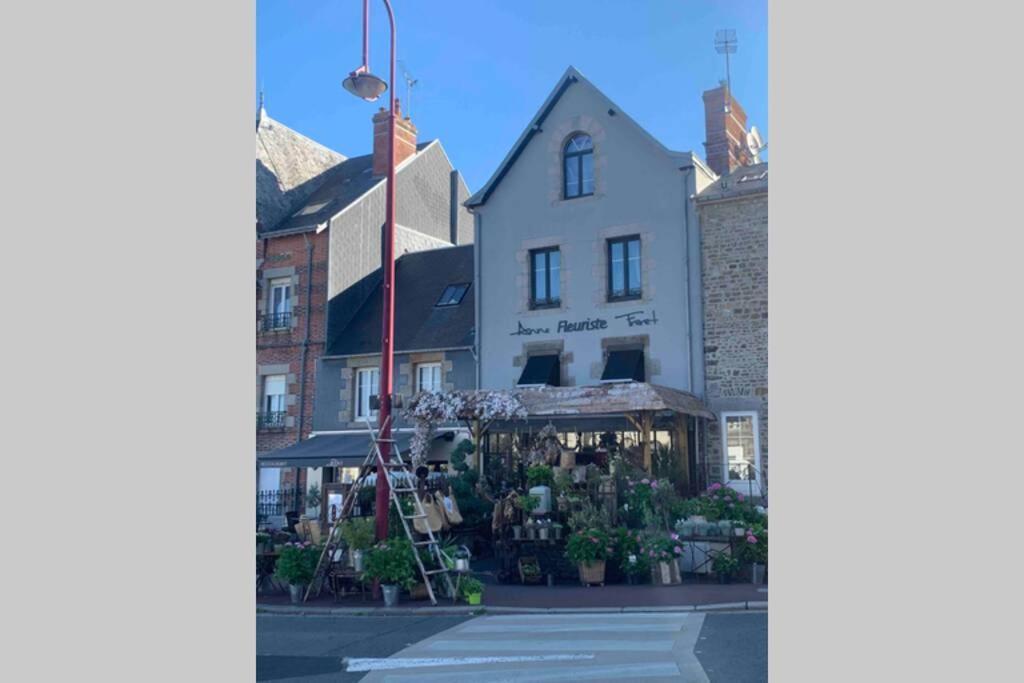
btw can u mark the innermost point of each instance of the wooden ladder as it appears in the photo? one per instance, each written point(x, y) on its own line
point(399, 488)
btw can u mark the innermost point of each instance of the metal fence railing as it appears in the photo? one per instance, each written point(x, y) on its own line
point(271, 420)
point(276, 321)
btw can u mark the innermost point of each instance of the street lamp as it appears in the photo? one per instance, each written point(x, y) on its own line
point(366, 86)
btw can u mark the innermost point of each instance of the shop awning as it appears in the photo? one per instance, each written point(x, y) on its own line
point(330, 450)
point(540, 370)
point(626, 365)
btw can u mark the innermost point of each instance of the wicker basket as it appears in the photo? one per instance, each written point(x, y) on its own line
point(592, 573)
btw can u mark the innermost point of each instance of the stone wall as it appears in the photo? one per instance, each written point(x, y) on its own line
point(734, 235)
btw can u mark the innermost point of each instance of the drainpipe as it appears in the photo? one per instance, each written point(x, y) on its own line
point(686, 270)
point(478, 298)
point(305, 351)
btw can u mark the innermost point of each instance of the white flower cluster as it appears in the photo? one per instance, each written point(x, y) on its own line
point(429, 409)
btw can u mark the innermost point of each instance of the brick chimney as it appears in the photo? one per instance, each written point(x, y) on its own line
point(725, 133)
point(405, 140)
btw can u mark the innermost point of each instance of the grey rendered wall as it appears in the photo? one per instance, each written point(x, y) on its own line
point(335, 388)
point(639, 189)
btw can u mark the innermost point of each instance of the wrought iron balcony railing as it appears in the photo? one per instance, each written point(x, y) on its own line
point(276, 321)
point(271, 420)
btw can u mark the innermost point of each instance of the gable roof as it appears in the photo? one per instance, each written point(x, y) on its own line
point(289, 168)
point(420, 325)
point(570, 77)
point(340, 187)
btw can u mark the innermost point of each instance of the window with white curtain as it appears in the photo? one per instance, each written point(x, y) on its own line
point(367, 385)
point(428, 377)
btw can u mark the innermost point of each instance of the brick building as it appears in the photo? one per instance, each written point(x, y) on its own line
point(319, 222)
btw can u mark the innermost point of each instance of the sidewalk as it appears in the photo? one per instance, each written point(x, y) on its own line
point(515, 597)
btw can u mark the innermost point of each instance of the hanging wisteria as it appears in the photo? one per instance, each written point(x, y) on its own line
point(475, 408)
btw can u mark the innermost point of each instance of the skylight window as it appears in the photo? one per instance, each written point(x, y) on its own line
point(452, 295)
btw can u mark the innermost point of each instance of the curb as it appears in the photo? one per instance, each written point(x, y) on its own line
point(280, 610)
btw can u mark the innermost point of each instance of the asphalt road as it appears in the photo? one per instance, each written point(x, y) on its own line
point(696, 647)
point(310, 648)
point(733, 647)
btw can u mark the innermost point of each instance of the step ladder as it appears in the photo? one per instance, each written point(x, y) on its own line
point(400, 488)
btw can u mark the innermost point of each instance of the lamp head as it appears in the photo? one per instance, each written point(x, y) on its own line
point(365, 85)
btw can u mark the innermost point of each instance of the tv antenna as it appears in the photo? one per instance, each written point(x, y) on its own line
point(410, 82)
point(725, 44)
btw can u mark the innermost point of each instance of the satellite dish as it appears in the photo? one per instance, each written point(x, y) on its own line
point(754, 144)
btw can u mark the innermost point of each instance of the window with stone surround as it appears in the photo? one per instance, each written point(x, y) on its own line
point(273, 406)
point(428, 377)
point(545, 274)
point(367, 385)
point(578, 167)
point(624, 274)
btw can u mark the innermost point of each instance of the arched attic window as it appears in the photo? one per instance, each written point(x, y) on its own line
point(578, 167)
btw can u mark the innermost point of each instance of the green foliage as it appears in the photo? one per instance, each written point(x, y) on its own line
point(725, 565)
point(539, 475)
point(474, 509)
point(721, 502)
point(313, 497)
point(470, 586)
point(562, 483)
point(755, 545)
point(626, 543)
point(392, 563)
point(358, 532)
point(661, 547)
point(297, 563)
point(585, 547)
point(588, 516)
point(458, 457)
point(529, 503)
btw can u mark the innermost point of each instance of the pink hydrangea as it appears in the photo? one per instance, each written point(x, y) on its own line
point(678, 550)
point(751, 539)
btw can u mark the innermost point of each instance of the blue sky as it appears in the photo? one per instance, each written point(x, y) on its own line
point(485, 66)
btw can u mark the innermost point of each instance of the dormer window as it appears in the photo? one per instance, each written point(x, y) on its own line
point(578, 167)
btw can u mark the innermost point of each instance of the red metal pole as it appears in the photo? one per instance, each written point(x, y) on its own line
point(388, 306)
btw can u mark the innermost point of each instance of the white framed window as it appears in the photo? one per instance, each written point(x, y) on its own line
point(280, 309)
point(741, 451)
point(367, 385)
point(428, 377)
point(274, 389)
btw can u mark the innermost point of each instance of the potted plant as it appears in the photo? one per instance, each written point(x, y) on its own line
point(589, 549)
point(726, 566)
point(296, 566)
point(264, 544)
point(556, 528)
point(472, 590)
point(358, 535)
point(661, 552)
point(755, 551)
point(391, 562)
point(529, 570)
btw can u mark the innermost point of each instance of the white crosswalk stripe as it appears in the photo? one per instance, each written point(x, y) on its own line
point(554, 647)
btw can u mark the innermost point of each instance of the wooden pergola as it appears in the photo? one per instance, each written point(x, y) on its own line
point(639, 403)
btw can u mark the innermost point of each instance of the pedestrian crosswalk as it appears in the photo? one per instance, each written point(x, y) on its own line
point(590, 646)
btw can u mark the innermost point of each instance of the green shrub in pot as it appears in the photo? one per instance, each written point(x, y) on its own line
point(392, 563)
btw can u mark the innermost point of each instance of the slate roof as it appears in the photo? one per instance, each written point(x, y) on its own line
point(744, 181)
point(289, 168)
point(339, 187)
point(420, 325)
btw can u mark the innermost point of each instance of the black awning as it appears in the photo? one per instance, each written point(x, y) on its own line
point(624, 366)
point(328, 450)
point(540, 370)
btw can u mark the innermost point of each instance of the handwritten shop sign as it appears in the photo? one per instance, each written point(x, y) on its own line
point(633, 319)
